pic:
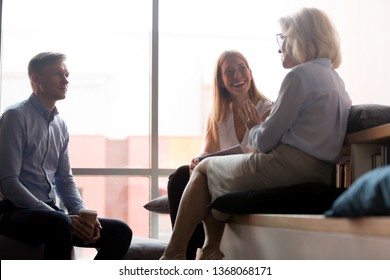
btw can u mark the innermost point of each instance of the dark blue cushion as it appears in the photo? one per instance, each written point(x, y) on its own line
point(365, 116)
point(305, 198)
point(369, 195)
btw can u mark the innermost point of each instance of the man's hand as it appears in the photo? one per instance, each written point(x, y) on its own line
point(85, 230)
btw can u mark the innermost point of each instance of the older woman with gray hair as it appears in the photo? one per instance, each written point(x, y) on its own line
point(299, 142)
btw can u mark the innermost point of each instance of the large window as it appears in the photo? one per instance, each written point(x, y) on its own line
point(107, 108)
point(141, 74)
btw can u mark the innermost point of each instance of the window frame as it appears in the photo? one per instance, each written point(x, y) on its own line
point(154, 172)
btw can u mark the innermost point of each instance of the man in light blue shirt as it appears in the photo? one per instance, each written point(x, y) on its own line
point(34, 168)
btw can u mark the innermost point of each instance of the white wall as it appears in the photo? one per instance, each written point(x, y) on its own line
point(364, 31)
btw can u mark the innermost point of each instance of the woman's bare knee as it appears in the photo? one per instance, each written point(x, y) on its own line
point(202, 167)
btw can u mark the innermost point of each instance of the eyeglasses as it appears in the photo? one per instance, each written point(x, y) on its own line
point(280, 39)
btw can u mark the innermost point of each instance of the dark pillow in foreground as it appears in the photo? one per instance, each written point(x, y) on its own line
point(365, 116)
point(369, 195)
point(306, 198)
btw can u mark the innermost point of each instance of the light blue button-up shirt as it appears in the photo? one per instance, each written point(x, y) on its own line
point(34, 159)
point(310, 113)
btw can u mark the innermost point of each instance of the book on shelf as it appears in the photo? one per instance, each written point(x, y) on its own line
point(365, 157)
point(377, 160)
point(230, 151)
point(343, 172)
point(361, 158)
point(385, 151)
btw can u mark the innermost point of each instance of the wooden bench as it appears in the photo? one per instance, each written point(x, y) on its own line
point(304, 237)
point(279, 236)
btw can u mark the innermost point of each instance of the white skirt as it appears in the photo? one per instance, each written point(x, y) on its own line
point(283, 166)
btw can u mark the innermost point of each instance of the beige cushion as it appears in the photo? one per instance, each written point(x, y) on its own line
point(159, 205)
point(142, 248)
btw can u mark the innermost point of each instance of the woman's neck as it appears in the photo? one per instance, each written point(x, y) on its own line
point(238, 101)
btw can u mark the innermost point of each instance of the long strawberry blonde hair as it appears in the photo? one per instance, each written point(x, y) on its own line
point(222, 98)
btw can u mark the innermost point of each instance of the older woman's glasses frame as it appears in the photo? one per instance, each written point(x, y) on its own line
point(280, 39)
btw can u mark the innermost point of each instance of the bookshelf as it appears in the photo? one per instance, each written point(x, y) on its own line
point(363, 150)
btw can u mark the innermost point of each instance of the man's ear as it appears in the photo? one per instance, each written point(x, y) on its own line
point(34, 79)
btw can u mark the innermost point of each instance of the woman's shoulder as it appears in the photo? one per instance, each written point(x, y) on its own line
point(263, 103)
point(264, 106)
point(324, 63)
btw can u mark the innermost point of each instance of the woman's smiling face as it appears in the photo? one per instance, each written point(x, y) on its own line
point(236, 75)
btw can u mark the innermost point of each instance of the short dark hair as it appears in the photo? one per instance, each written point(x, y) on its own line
point(42, 59)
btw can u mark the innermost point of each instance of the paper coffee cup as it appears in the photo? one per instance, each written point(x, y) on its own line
point(89, 215)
